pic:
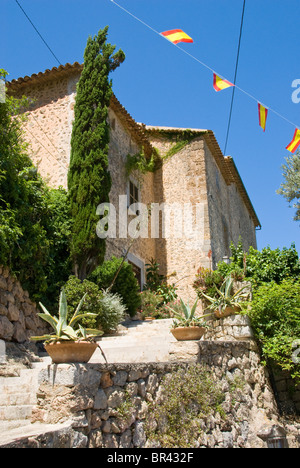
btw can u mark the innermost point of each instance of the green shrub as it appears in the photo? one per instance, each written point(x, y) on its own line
point(158, 283)
point(275, 316)
point(166, 311)
point(150, 303)
point(108, 307)
point(263, 266)
point(34, 219)
point(75, 290)
point(112, 311)
point(126, 284)
point(207, 281)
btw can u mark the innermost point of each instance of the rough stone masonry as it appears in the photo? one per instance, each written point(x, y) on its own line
point(92, 398)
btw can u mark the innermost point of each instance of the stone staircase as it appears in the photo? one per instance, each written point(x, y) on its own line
point(137, 341)
point(18, 397)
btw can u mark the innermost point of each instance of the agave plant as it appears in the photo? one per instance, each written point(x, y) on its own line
point(186, 316)
point(64, 331)
point(225, 297)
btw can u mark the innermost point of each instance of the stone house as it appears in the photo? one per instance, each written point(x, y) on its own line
point(193, 176)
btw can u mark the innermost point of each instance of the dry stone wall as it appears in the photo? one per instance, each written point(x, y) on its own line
point(18, 314)
point(107, 406)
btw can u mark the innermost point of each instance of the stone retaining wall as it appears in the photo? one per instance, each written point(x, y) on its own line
point(108, 405)
point(287, 393)
point(235, 327)
point(18, 314)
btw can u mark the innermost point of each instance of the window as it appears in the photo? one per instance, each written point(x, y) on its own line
point(138, 267)
point(133, 196)
point(133, 193)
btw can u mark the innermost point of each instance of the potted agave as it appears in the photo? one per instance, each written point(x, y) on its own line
point(226, 303)
point(186, 326)
point(66, 344)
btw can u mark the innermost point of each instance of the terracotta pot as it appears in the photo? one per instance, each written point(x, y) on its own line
point(70, 351)
point(226, 312)
point(188, 333)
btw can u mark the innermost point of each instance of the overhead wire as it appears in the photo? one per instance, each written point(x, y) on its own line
point(32, 115)
point(202, 63)
point(235, 76)
point(37, 31)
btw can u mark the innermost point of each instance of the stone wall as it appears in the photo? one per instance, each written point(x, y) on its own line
point(107, 406)
point(229, 218)
point(287, 393)
point(18, 314)
point(182, 180)
point(121, 144)
point(49, 126)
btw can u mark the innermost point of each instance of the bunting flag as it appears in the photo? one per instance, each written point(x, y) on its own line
point(176, 36)
point(263, 114)
point(221, 83)
point(295, 143)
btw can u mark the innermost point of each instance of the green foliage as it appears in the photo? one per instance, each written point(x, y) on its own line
point(181, 140)
point(186, 317)
point(166, 311)
point(89, 180)
point(158, 283)
point(207, 281)
point(150, 302)
point(125, 410)
point(188, 395)
point(75, 289)
point(275, 316)
point(226, 297)
point(290, 188)
point(139, 162)
point(63, 329)
point(112, 311)
point(265, 266)
point(34, 219)
point(59, 232)
point(125, 284)
point(107, 308)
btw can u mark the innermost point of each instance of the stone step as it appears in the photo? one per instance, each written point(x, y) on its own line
point(27, 431)
point(133, 354)
point(6, 426)
point(138, 339)
point(17, 399)
point(11, 413)
point(26, 377)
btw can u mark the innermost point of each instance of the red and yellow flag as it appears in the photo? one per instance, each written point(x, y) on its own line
point(295, 143)
point(221, 83)
point(176, 36)
point(262, 114)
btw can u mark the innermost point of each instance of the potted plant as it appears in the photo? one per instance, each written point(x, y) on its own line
point(186, 326)
point(150, 301)
point(226, 302)
point(67, 344)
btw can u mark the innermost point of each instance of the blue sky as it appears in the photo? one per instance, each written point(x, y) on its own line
point(160, 85)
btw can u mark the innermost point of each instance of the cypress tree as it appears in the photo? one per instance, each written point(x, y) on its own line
point(89, 181)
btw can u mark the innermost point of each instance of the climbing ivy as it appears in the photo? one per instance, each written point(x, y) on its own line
point(181, 141)
point(138, 162)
